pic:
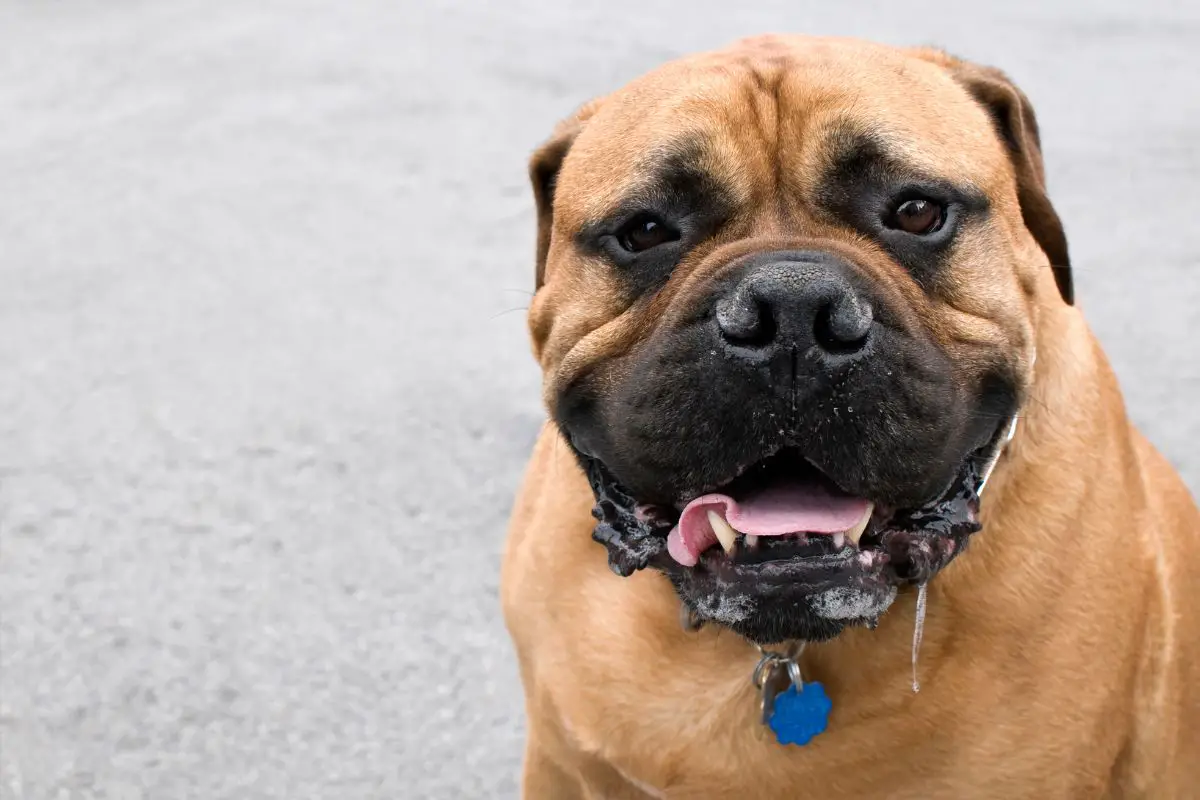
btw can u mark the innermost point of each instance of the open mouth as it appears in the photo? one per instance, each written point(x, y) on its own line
point(781, 508)
point(783, 534)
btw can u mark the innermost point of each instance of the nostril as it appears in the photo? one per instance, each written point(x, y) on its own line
point(843, 326)
point(747, 324)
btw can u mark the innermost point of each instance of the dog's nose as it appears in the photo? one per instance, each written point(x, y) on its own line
point(798, 301)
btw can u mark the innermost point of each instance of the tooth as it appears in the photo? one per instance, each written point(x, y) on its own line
point(855, 533)
point(751, 541)
point(839, 540)
point(726, 534)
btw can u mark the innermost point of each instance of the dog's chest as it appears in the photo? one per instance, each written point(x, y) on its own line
point(717, 747)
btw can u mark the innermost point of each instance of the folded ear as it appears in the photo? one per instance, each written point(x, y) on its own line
point(544, 167)
point(1013, 116)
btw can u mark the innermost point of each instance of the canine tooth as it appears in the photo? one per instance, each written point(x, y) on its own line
point(839, 541)
point(751, 541)
point(726, 534)
point(855, 533)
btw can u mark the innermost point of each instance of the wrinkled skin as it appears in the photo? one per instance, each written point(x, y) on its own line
point(887, 359)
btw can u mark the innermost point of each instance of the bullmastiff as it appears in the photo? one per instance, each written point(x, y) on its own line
point(838, 496)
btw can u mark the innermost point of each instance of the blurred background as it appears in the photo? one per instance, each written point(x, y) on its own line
point(265, 389)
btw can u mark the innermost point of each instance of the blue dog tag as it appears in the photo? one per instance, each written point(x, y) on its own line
point(800, 713)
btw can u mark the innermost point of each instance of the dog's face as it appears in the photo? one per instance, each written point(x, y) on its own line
point(786, 296)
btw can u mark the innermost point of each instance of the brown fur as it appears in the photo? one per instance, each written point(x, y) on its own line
point(1061, 654)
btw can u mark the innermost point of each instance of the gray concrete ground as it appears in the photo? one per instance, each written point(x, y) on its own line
point(264, 385)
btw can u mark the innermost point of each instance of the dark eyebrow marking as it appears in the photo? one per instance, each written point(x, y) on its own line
point(855, 152)
point(859, 158)
point(679, 187)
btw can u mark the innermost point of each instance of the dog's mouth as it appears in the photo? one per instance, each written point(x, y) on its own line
point(782, 507)
point(781, 535)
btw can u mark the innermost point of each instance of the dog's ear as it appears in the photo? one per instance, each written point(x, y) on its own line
point(544, 167)
point(1017, 126)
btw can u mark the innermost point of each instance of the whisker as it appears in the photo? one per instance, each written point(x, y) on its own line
point(499, 314)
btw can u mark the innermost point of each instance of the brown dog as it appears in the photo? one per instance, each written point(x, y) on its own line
point(791, 297)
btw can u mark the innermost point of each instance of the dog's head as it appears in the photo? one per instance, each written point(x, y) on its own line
point(786, 300)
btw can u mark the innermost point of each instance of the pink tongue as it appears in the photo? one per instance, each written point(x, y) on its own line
point(783, 507)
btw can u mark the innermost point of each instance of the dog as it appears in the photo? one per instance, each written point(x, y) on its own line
point(817, 383)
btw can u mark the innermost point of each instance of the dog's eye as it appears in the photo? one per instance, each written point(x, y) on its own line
point(919, 216)
point(644, 232)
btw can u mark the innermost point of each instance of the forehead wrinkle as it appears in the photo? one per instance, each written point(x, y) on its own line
point(757, 115)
